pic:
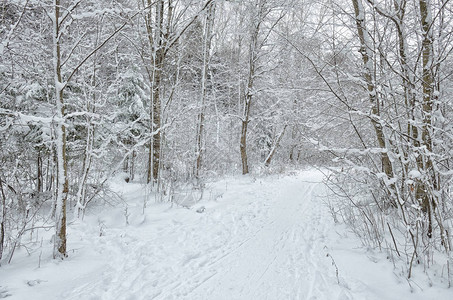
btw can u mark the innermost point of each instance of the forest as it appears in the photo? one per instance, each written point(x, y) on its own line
point(175, 93)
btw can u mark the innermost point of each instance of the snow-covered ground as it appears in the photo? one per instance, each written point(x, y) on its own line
point(252, 238)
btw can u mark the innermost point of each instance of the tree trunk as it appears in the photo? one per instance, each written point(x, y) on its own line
point(243, 148)
point(425, 163)
point(3, 220)
point(39, 175)
point(253, 48)
point(365, 51)
point(156, 120)
point(86, 166)
point(207, 36)
point(245, 122)
point(267, 162)
point(60, 144)
point(132, 166)
point(157, 47)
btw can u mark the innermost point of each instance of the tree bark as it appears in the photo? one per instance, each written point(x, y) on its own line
point(425, 162)
point(253, 48)
point(157, 40)
point(60, 144)
point(365, 51)
point(39, 175)
point(207, 37)
point(3, 219)
point(267, 162)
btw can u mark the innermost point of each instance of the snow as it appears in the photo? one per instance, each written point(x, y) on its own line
point(248, 238)
point(414, 174)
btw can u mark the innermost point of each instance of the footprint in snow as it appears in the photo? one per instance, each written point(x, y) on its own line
point(4, 292)
point(201, 209)
point(34, 282)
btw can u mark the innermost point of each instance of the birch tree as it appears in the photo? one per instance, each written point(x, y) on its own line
point(60, 141)
point(65, 69)
point(206, 56)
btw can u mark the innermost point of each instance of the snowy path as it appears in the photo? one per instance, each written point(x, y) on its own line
point(283, 259)
point(268, 245)
point(269, 238)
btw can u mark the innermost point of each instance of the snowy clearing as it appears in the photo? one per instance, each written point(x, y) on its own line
point(252, 238)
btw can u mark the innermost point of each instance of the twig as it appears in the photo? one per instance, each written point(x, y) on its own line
point(393, 238)
point(336, 267)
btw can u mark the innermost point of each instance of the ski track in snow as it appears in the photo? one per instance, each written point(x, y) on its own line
point(269, 247)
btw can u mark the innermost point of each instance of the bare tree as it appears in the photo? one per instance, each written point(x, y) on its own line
point(162, 36)
point(206, 53)
point(259, 34)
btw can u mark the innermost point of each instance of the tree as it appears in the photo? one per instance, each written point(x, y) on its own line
point(60, 140)
point(64, 70)
point(258, 38)
point(400, 83)
point(162, 36)
point(206, 53)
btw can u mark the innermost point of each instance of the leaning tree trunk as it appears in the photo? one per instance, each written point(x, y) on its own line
point(267, 162)
point(365, 51)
